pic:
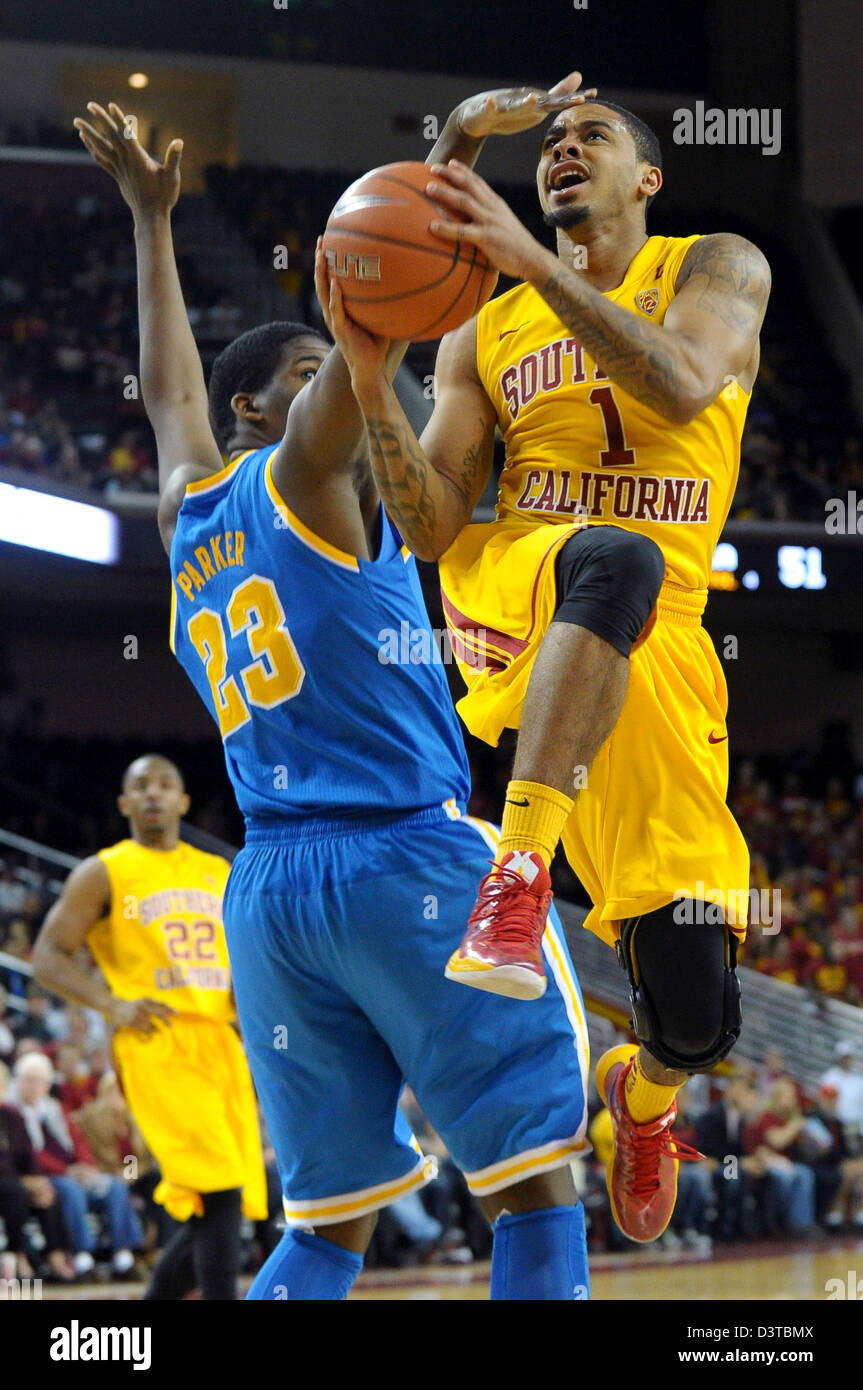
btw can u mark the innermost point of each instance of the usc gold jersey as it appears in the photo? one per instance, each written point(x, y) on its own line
point(580, 447)
point(163, 936)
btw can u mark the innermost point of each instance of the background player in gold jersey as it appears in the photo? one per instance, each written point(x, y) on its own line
point(150, 909)
point(619, 373)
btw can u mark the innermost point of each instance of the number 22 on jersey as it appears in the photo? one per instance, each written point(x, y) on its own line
point(274, 674)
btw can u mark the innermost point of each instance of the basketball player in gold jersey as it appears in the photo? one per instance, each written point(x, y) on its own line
point(619, 373)
point(150, 909)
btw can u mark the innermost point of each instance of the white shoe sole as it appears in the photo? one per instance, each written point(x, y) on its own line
point(513, 981)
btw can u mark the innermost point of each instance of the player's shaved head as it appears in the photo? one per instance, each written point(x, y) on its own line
point(151, 762)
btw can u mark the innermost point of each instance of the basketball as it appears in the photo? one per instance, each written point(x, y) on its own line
point(397, 278)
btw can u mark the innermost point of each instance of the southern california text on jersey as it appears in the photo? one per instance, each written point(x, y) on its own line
point(579, 446)
point(163, 936)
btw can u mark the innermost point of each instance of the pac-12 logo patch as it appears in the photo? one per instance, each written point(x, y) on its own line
point(647, 300)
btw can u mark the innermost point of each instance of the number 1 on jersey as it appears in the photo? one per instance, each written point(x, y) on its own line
point(276, 673)
point(616, 455)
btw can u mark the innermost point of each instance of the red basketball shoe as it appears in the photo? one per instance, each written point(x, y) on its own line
point(641, 1175)
point(501, 950)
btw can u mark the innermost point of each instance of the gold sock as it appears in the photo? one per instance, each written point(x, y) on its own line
point(533, 818)
point(645, 1100)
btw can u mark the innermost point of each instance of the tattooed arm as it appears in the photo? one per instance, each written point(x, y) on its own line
point(709, 335)
point(678, 367)
point(431, 489)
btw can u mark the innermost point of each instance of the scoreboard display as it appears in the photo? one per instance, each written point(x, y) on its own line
point(775, 558)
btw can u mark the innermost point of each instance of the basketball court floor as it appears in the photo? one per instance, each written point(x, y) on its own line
point(771, 1272)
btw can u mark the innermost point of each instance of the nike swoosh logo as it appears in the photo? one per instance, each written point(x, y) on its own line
point(510, 802)
point(711, 739)
point(512, 330)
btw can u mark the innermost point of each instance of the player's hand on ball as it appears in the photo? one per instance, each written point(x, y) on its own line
point(491, 224)
point(364, 353)
point(140, 1014)
point(146, 185)
point(507, 110)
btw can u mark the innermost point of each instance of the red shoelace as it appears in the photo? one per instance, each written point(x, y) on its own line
point(507, 904)
point(639, 1156)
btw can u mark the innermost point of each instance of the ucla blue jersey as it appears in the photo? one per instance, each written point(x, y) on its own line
point(318, 667)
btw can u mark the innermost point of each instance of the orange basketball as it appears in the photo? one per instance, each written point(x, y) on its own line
point(396, 277)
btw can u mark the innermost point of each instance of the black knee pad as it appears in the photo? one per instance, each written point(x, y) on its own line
point(608, 581)
point(683, 982)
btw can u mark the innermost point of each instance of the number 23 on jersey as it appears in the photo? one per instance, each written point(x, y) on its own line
point(275, 672)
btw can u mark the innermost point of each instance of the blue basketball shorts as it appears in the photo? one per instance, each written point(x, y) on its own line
point(338, 937)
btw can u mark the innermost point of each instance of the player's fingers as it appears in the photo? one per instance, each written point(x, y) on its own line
point(97, 151)
point(564, 99)
point(570, 83)
point(337, 306)
point(102, 120)
point(458, 198)
point(157, 1008)
point(322, 279)
point(173, 155)
point(456, 231)
point(458, 174)
point(124, 126)
point(93, 139)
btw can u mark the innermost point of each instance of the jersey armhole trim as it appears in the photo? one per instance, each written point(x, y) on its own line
point(173, 621)
point(215, 479)
point(303, 532)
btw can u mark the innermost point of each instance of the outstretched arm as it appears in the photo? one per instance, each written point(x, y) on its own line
point(429, 489)
point(172, 379)
point(678, 367)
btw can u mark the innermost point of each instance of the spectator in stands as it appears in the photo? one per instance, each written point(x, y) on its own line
point(109, 1128)
point(772, 1070)
point(13, 893)
point(18, 944)
point(839, 1168)
point(118, 1146)
point(25, 1192)
point(789, 1185)
point(719, 1134)
point(74, 1085)
point(7, 1035)
point(85, 1028)
point(848, 1082)
point(829, 975)
point(779, 964)
point(64, 1156)
point(33, 1022)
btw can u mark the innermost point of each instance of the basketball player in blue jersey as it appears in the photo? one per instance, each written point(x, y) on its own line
point(360, 864)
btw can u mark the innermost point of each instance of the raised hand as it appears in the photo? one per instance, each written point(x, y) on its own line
point(146, 185)
point(507, 110)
